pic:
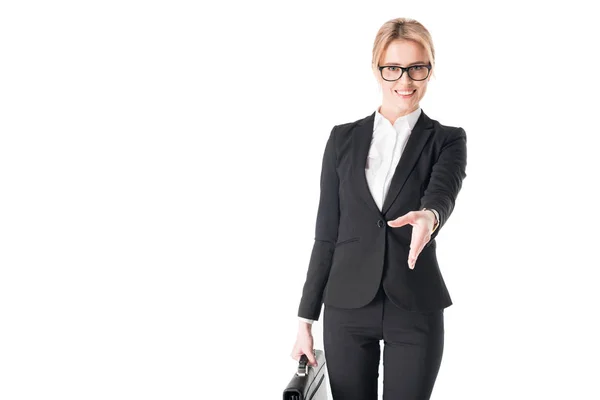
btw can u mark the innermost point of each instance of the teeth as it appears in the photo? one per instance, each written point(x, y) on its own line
point(405, 93)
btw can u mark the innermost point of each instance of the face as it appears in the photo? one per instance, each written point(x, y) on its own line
point(403, 53)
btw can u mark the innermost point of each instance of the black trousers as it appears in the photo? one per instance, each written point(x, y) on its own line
point(412, 354)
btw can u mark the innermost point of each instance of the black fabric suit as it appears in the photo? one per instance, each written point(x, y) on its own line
point(359, 265)
point(347, 262)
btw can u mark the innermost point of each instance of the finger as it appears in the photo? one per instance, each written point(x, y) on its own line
point(311, 358)
point(423, 244)
point(297, 353)
point(412, 261)
point(401, 221)
point(398, 222)
point(416, 245)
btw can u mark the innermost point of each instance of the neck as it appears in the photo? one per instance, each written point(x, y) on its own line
point(393, 113)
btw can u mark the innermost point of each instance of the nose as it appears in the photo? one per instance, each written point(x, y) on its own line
point(405, 78)
point(404, 82)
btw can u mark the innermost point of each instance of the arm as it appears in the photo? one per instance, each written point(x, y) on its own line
point(326, 232)
point(446, 179)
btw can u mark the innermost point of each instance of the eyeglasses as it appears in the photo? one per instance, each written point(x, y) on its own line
point(392, 73)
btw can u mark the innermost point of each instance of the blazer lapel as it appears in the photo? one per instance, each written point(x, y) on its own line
point(416, 141)
point(361, 142)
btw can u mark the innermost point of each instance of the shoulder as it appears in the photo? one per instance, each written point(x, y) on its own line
point(349, 126)
point(447, 133)
point(345, 129)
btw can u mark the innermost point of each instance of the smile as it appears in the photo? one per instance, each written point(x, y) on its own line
point(405, 94)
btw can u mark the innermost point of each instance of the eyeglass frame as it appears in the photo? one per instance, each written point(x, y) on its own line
point(404, 69)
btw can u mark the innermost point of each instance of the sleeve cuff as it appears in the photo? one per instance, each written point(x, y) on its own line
point(310, 321)
point(437, 220)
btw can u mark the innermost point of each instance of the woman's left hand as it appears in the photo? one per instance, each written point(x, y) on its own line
point(422, 223)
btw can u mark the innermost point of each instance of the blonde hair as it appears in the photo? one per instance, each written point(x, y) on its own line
point(402, 29)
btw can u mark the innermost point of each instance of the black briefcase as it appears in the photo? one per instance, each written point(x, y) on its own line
point(309, 382)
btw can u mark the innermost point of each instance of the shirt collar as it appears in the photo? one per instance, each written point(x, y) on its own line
point(410, 119)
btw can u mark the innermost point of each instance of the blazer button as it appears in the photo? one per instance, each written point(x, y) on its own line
point(380, 223)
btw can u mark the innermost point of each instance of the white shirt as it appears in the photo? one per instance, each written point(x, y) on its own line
point(387, 144)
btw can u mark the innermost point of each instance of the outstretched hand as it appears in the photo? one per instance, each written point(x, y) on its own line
point(422, 223)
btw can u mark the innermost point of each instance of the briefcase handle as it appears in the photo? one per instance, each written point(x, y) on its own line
point(303, 365)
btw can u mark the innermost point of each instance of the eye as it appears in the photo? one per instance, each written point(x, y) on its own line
point(417, 67)
point(393, 68)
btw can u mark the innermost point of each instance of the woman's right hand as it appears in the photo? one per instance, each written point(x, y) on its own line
point(304, 344)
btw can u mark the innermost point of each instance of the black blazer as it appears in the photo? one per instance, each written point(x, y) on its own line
point(354, 248)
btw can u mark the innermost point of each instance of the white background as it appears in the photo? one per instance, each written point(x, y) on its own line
point(159, 169)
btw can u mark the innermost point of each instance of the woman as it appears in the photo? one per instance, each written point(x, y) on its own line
point(389, 183)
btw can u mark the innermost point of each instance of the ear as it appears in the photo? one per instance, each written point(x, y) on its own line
point(375, 72)
point(376, 75)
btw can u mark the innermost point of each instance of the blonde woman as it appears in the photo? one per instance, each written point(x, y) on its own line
point(389, 182)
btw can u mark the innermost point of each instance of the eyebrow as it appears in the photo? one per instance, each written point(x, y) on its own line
point(415, 63)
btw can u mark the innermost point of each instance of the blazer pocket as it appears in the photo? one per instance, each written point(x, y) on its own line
point(356, 239)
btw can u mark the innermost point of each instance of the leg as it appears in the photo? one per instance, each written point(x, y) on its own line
point(412, 354)
point(351, 343)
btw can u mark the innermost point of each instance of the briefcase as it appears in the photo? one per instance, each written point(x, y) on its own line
point(309, 382)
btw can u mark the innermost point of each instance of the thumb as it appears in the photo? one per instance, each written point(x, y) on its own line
point(398, 222)
point(311, 358)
